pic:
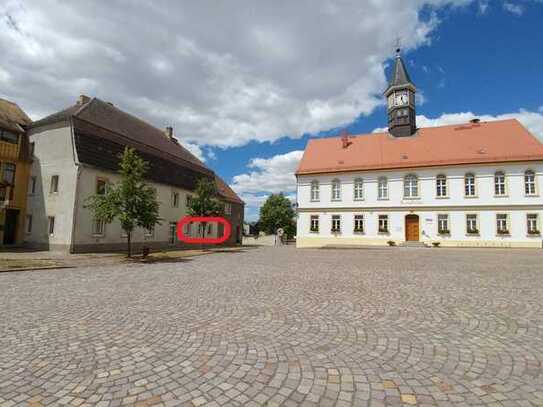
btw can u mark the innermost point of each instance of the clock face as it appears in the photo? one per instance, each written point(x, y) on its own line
point(402, 99)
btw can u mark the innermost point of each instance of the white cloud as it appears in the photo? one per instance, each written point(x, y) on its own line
point(222, 73)
point(483, 6)
point(533, 121)
point(515, 9)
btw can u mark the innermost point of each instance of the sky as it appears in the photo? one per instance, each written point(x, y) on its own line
point(245, 84)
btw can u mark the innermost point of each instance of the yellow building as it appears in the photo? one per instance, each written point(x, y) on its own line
point(15, 162)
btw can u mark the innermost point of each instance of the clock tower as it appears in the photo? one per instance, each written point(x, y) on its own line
point(400, 95)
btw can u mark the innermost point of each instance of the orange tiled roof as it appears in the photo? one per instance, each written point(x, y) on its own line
point(470, 143)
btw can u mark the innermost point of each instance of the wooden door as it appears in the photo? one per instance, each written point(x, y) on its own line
point(412, 228)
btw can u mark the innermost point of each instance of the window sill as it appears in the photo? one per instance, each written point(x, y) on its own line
point(383, 232)
point(98, 235)
point(471, 196)
point(473, 234)
point(503, 234)
point(537, 235)
point(443, 197)
point(383, 199)
point(335, 232)
point(314, 231)
point(501, 196)
point(335, 200)
point(358, 199)
point(414, 198)
point(358, 232)
point(314, 200)
point(444, 233)
point(531, 196)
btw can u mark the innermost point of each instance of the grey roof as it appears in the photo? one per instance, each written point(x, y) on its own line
point(399, 75)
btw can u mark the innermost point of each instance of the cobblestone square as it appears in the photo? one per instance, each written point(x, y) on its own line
point(279, 326)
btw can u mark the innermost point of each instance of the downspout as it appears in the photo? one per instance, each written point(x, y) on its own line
point(76, 198)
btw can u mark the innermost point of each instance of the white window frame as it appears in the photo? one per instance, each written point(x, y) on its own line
point(32, 185)
point(51, 225)
point(500, 184)
point(382, 188)
point(358, 221)
point(383, 224)
point(410, 186)
point(470, 185)
point(54, 186)
point(314, 223)
point(336, 224)
point(98, 228)
point(315, 191)
point(358, 189)
point(530, 183)
point(532, 225)
point(28, 223)
point(502, 224)
point(336, 190)
point(443, 218)
point(442, 188)
point(472, 216)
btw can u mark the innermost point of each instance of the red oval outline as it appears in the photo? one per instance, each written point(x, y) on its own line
point(209, 219)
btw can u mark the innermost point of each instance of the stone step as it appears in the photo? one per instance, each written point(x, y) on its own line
point(413, 244)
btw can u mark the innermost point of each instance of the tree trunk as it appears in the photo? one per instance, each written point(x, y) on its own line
point(128, 235)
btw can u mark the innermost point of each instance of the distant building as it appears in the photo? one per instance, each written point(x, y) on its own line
point(15, 162)
point(475, 184)
point(77, 154)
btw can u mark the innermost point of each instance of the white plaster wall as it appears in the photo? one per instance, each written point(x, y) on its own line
point(516, 204)
point(53, 156)
point(113, 233)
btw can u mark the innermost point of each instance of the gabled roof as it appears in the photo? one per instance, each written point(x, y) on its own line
point(12, 116)
point(470, 143)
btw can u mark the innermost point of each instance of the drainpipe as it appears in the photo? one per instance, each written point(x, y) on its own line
point(76, 197)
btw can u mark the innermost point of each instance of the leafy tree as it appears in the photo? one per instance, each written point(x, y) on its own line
point(204, 202)
point(277, 212)
point(131, 200)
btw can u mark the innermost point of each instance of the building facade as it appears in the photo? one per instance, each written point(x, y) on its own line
point(76, 155)
point(477, 184)
point(15, 162)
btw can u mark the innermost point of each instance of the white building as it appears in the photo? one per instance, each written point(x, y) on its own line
point(477, 184)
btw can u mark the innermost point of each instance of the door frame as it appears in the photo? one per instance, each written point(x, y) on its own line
point(412, 217)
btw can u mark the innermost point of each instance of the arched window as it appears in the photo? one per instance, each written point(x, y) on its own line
point(358, 189)
point(529, 182)
point(499, 183)
point(441, 186)
point(469, 184)
point(382, 188)
point(315, 192)
point(336, 190)
point(411, 186)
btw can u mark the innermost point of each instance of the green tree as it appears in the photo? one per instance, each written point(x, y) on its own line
point(131, 200)
point(204, 202)
point(277, 212)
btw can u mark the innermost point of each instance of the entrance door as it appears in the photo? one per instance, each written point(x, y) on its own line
point(412, 228)
point(10, 226)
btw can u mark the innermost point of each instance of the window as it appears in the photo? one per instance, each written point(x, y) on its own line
point(171, 232)
point(501, 224)
point(98, 227)
point(383, 223)
point(529, 182)
point(336, 190)
point(382, 188)
point(411, 186)
point(101, 186)
point(358, 189)
point(175, 199)
point(187, 202)
point(9, 173)
point(32, 186)
point(471, 224)
point(359, 223)
point(188, 229)
point(336, 223)
point(228, 208)
point(315, 193)
point(499, 184)
point(32, 149)
point(443, 224)
point(314, 223)
point(28, 224)
point(441, 186)
point(532, 222)
point(209, 228)
point(51, 220)
point(9, 137)
point(469, 185)
point(54, 184)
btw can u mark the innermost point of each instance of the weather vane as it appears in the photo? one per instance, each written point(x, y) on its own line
point(398, 44)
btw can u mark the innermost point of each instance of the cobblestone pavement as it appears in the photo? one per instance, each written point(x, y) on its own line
point(279, 326)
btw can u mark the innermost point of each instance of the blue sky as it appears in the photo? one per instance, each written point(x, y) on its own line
point(245, 84)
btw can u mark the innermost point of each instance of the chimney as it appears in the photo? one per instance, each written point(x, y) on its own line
point(168, 132)
point(83, 99)
point(345, 139)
